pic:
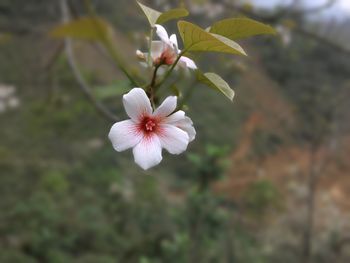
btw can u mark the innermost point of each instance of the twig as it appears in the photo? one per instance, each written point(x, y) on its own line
point(167, 74)
point(108, 45)
point(149, 58)
point(151, 86)
point(77, 74)
point(52, 59)
point(154, 77)
point(102, 51)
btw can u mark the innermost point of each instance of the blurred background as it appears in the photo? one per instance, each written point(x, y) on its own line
point(266, 180)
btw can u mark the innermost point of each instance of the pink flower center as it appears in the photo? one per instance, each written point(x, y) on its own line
point(167, 57)
point(148, 124)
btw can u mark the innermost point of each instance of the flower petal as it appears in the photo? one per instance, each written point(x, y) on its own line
point(162, 34)
point(157, 48)
point(148, 152)
point(187, 63)
point(167, 107)
point(176, 116)
point(173, 139)
point(173, 40)
point(186, 124)
point(144, 64)
point(137, 104)
point(124, 135)
point(140, 55)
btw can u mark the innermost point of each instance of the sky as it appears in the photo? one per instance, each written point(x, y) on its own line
point(340, 10)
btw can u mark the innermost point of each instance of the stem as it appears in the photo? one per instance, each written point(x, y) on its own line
point(167, 74)
point(151, 86)
point(149, 59)
point(154, 77)
point(110, 48)
point(108, 44)
point(77, 74)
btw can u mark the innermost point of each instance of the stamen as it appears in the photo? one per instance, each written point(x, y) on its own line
point(150, 125)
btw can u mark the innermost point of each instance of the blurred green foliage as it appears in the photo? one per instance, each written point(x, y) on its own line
point(66, 196)
point(260, 196)
point(316, 93)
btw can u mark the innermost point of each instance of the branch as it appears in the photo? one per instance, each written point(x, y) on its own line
point(151, 86)
point(77, 74)
point(168, 73)
point(102, 51)
point(108, 45)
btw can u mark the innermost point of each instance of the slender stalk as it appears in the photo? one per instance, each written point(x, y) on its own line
point(77, 74)
point(108, 44)
point(110, 48)
point(154, 77)
point(151, 86)
point(149, 59)
point(168, 73)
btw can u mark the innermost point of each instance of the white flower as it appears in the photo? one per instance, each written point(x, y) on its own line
point(165, 52)
point(148, 131)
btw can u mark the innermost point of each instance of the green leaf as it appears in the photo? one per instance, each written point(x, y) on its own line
point(151, 14)
point(156, 17)
point(171, 15)
point(216, 82)
point(87, 28)
point(238, 28)
point(197, 39)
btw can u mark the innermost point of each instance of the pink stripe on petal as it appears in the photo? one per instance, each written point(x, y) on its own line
point(173, 139)
point(176, 116)
point(166, 108)
point(137, 104)
point(124, 135)
point(148, 152)
point(187, 125)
